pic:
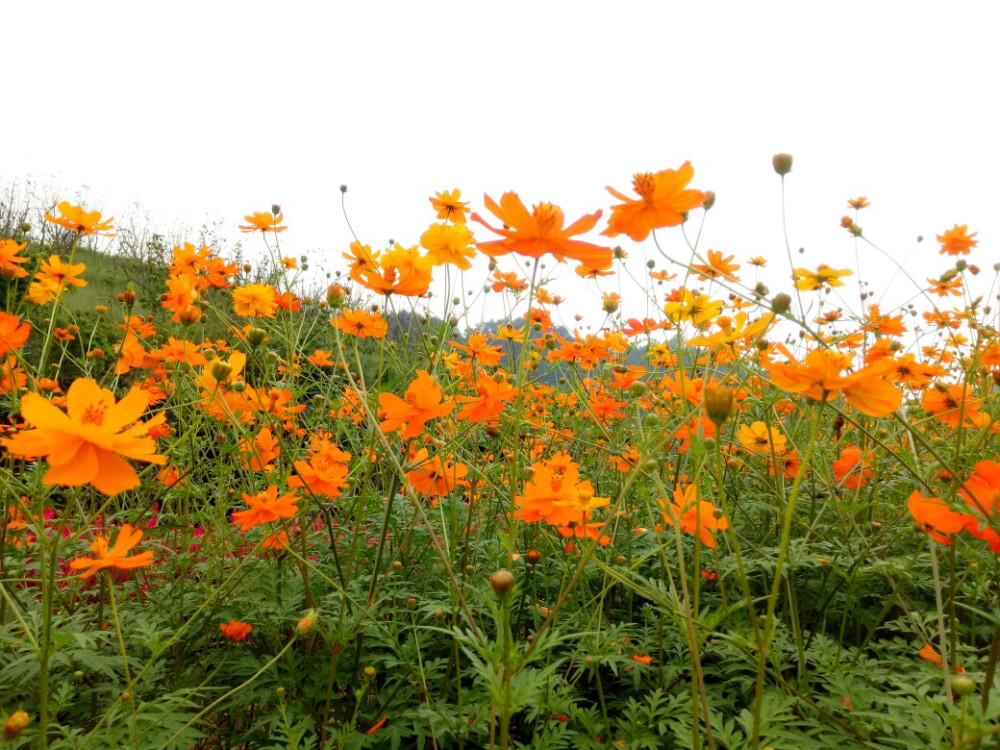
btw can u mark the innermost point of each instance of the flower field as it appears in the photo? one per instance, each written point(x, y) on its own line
point(239, 512)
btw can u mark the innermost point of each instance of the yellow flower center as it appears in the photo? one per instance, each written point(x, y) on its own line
point(644, 183)
point(546, 216)
point(94, 414)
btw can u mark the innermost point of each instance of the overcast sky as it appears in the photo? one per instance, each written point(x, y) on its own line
point(209, 110)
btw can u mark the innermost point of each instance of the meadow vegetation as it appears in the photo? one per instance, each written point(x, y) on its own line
point(237, 512)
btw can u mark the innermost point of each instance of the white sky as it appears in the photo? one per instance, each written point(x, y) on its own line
point(211, 110)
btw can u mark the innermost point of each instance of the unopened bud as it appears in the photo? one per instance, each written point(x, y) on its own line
point(307, 622)
point(189, 315)
point(718, 402)
point(15, 724)
point(782, 163)
point(502, 582)
point(709, 200)
point(255, 336)
point(128, 296)
point(336, 295)
point(781, 303)
point(221, 370)
point(275, 208)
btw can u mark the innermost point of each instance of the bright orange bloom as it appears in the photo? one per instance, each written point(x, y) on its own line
point(957, 240)
point(255, 300)
point(645, 659)
point(955, 405)
point(819, 378)
point(936, 518)
point(13, 333)
point(86, 445)
point(400, 271)
point(929, 653)
point(851, 469)
point(325, 473)
point(258, 453)
point(541, 231)
point(478, 350)
point(435, 476)
point(235, 630)
point(182, 291)
point(361, 323)
point(76, 219)
point(115, 556)
point(943, 286)
point(717, 266)
point(490, 401)
point(449, 243)
point(858, 203)
point(822, 277)
point(449, 207)
point(509, 281)
point(981, 493)
point(556, 495)
point(421, 403)
point(10, 261)
point(58, 274)
point(265, 507)
point(694, 516)
point(263, 221)
point(663, 201)
point(760, 438)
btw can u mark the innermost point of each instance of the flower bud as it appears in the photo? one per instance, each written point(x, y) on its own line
point(709, 200)
point(782, 163)
point(336, 295)
point(963, 685)
point(502, 582)
point(718, 402)
point(221, 370)
point(189, 315)
point(100, 309)
point(533, 556)
point(128, 296)
point(369, 672)
point(275, 208)
point(781, 303)
point(255, 336)
point(307, 622)
point(15, 724)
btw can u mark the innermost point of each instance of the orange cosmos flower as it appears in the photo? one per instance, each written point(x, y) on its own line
point(694, 516)
point(858, 203)
point(936, 518)
point(361, 324)
point(823, 276)
point(435, 476)
point(265, 507)
point(541, 231)
point(10, 261)
point(85, 445)
point(478, 350)
point(263, 221)
point(851, 469)
point(76, 219)
point(717, 266)
point(13, 333)
point(819, 378)
point(325, 473)
point(954, 405)
point(235, 631)
point(115, 556)
point(957, 240)
point(448, 243)
point(400, 271)
point(663, 201)
point(53, 272)
point(255, 300)
point(449, 207)
point(509, 281)
point(423, 402)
